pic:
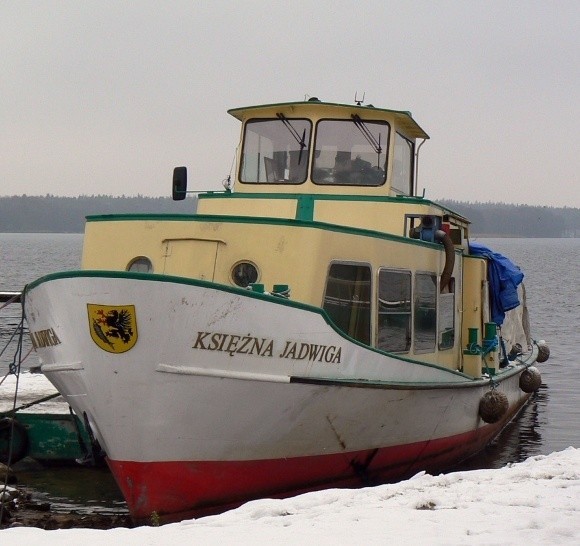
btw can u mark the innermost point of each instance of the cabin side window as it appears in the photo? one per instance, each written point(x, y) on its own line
point(425, 310)
point(351, 152)
point(347, 299)
point(403, 165)
point(275, 151)
point(394, 311)
point(446, 312)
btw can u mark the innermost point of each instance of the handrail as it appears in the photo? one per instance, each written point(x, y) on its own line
point(10, 297)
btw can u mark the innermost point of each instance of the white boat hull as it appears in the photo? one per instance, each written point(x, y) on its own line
point(225, 395)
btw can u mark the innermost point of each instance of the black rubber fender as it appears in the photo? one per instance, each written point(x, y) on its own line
point(19, 444)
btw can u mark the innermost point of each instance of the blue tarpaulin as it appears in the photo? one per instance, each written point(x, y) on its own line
point(504, 278)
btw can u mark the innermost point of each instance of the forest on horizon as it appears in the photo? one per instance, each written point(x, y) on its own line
point(53, 214)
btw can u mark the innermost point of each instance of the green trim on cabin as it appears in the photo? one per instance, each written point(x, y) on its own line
point(406, 199)
point(318, 197)
point(126, 275)
point(335, 228)
point(305, 208)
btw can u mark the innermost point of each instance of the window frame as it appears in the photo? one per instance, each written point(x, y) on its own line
point(385, 146)
point(368, 337)
point(451, 295)
point(433, 348)
point(411, 181)
point(306, 152)
point(409, 342)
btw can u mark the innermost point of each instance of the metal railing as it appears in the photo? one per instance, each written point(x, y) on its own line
point(10, 297)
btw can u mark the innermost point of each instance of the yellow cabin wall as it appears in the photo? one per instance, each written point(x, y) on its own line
point(373, 215)
point(369, 214)
point(261, 208)
point(474, 307)
point(208, 250)
point(474, 277)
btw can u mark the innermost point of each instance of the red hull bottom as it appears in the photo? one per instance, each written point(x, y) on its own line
point(176, 490)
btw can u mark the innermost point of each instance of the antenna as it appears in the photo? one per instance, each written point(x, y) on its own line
point(357, 100)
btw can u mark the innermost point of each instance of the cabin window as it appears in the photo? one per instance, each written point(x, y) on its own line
point(403, 165)
point(447, 316)
point(351, 152)
point(275, 151)
point(244, 273)
point(425, 303)
point(394, 324)
point(347, 299)
point(140, 264)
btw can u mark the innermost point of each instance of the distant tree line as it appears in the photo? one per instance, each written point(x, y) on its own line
point(52, 214)
point(505, 220)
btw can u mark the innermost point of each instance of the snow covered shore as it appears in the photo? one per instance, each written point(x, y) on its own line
point(534, 502)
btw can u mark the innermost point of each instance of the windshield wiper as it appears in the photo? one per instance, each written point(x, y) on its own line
point(376, 144)
point(300, 139)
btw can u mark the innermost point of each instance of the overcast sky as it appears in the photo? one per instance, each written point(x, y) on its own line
point(107, 97)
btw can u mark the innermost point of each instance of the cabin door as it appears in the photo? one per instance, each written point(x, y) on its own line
point(191, 257)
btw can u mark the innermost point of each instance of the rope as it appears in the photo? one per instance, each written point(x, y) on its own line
point(10, 340)
point(488, 346)
point(30, 404)
point(14, 368)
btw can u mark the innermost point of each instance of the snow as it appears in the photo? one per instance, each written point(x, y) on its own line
point(31, 387)
point(533, 502)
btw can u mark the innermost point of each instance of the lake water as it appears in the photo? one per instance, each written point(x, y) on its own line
point(23, 258)
point(550, 422)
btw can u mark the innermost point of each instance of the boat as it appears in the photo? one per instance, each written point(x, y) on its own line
point(316, 324)
point(35, 422)
point(52, 439)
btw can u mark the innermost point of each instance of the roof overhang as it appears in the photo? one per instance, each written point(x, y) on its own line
point(316, 108)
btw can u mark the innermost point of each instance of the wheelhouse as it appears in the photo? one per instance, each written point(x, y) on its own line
point(316, 147)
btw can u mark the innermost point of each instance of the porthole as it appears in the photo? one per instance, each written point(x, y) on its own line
point(244, 274)
point(141, 264)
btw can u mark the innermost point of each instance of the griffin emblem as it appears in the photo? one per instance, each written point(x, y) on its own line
point(113, 327)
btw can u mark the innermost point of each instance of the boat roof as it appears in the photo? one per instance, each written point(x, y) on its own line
point(403, 118)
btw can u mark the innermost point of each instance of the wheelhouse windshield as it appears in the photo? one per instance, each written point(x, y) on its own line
point(346, 152)
point(351, 152)
point(276, 151)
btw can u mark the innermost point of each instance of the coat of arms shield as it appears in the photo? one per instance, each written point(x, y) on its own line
point(113, 327)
